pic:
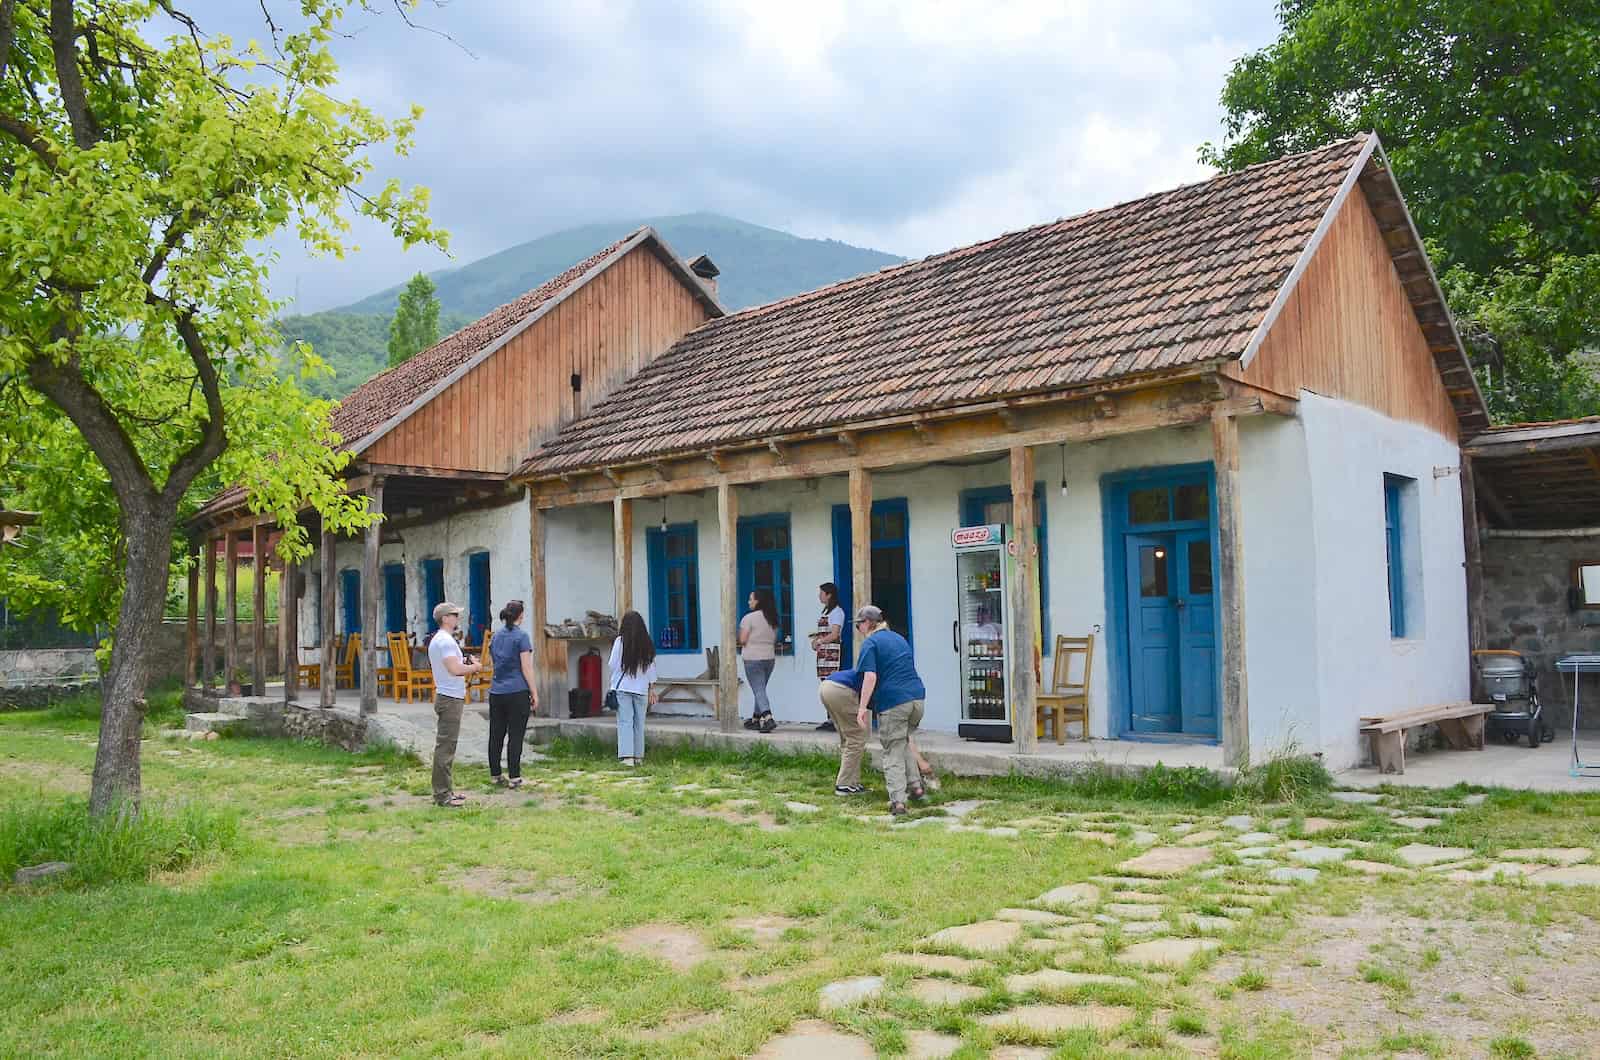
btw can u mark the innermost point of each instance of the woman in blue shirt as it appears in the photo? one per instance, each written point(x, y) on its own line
point(512, 699)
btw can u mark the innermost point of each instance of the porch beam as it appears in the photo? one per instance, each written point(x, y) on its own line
point(1230, 592)
point(191, 631)
point(860, 542)
point(230, 614)
point(289, 628)
point(622, 553)
point(918, 440)
point(373, 539)
point(327, 603)
point(258, 607)
point(1472, 539)
point(552, 686)
point(1024, 677)
point(728, 664)
point(208, 657)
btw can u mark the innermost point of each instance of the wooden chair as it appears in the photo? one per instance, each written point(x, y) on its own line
point(1067, 700)
point(344, 672)
point(310, 674)
point(405, 679)
point(480, 681)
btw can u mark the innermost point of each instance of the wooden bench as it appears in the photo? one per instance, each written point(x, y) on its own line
point(704, 691)
point(1461, 724)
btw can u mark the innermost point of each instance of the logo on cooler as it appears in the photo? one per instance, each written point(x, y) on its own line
point(973, 535)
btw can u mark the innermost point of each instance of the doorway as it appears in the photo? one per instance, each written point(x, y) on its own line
point(432, 591)
point(477, 596)
point(891, 567)
point(1160, 560)
point(394, 598)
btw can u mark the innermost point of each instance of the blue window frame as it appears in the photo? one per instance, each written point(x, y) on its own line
point(673, 556)
point(992, 504)
point(1395, 554)
point(766, 562)
point(432, 591)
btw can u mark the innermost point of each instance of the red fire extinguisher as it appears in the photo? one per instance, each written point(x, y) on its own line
point(589, 680)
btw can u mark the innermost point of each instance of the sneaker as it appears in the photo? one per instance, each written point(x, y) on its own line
point(849, 789)
point(769, 723)
point(918, 793)
point(753, 722)
point(898, 809)
point(827, 726)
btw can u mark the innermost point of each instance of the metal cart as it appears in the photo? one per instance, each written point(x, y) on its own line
point(1577, 665)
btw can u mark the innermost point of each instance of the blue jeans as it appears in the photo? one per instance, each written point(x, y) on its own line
point(759, 671)
point(630, 724)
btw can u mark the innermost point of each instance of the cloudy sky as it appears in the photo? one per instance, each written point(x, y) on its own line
point(909, 127)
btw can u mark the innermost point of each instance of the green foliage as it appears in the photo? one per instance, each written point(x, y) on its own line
point(1287, 776)
point(415, 326)
point(114, 847)
point(1490, 114)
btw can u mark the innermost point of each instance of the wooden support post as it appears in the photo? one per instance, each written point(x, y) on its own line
point(208, 656)
point(230, 613)
point(369, 600)
point(289, 628)
point(191, 632)
point(328, 602)
point(1473, 542)
point(1023, 677)
point(622, 553)
point(552, 685)
point(258, 605)
point(1230, 593)
point(860, 543)
point(728, 664)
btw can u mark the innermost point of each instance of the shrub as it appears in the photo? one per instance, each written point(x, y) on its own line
point(1285, 776)
point(117, 847)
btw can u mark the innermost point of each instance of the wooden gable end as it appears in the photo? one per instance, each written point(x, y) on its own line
point(503, 408)
point(1348, 331)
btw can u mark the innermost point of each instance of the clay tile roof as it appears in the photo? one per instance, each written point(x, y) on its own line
point(1170, 281)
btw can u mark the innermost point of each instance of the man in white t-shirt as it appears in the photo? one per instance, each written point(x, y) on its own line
point(450, 670)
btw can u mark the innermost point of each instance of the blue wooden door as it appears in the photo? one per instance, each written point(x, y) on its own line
point(350, 591)
point(843, 578)
point(394, 598)
point(1197, 638)
point(432, 591)
point(891, 567)
point(477, 596)
point(1153, 641)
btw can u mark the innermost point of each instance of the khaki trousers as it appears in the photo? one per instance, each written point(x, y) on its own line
point(841, 704)
point(448, 711)
point(896, 726)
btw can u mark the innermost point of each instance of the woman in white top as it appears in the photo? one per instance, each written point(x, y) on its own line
point(633, 671)
point(827, 641)
point(758, 642)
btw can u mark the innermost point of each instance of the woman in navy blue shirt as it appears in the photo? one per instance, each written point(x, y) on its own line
point(512, 699)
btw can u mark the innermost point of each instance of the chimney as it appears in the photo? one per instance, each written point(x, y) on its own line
point(707, 270)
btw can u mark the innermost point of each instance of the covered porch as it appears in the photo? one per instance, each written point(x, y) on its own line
point(832, 491)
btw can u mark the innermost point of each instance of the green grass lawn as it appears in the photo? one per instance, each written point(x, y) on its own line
point(346, 916)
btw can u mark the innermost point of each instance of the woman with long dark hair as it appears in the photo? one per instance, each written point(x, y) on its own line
point(828, 640)
point(633, 671)
point(512, 699)
point(758, 641)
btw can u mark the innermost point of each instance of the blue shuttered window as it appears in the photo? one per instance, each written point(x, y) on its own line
point(766, 562)
point(1395, 551)
point(674, 561)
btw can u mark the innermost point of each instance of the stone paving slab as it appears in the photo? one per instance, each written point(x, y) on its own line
point(1294, 875)
point(1166, 861)
point(942, 991)
point(1166, 953)
point(930, 1045)
point(1374, 868)
point(986, 936)
point(1052, 1019)
point(1559, 855)
point(811, 1039)
point(1570, 876)
point(1072, 894)
point(1030, 916)
point(1419, 854)
point(1319, 855)
point(936, 963)
point(848, 992)
point(1056, 979)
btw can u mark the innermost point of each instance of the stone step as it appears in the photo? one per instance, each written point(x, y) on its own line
point(214, 721)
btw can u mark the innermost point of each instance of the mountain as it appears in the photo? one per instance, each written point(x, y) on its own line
point(758, 265)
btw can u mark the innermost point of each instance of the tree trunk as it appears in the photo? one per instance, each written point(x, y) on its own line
point(116, 780)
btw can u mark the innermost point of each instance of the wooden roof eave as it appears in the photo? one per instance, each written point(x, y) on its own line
point(1371, 171)
point(1172, 399)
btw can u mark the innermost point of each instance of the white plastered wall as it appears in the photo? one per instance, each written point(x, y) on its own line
point(1360, 668)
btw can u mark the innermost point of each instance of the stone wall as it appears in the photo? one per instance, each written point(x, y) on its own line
point(339, 728)
point(1525, 583)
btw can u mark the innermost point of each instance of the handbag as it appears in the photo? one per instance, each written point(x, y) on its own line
point(611, 703)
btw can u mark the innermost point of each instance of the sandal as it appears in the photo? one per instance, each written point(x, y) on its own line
point(498, 780)
point(454, 802)
point(514, 783)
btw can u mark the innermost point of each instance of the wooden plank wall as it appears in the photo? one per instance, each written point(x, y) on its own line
point(497, 414)
point(1348, 331)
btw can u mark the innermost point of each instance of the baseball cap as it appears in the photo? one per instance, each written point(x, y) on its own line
point(444, 608)
point(868, 613)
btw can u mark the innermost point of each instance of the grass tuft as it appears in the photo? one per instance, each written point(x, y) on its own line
point(1509, 1047)
point(116, 847)
point(1251, 979)
point(1285, 776)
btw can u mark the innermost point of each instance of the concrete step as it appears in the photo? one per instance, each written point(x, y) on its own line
point(214, 721)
